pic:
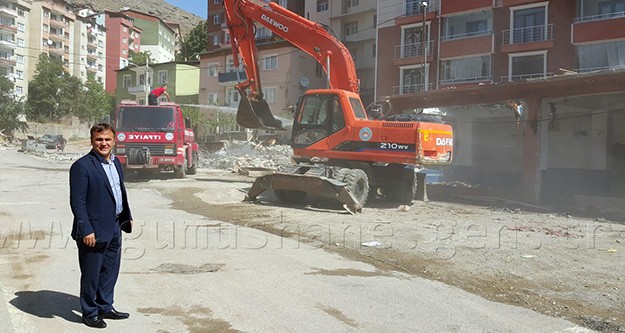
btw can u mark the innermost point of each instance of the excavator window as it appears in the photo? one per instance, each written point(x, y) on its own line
point(359, 111)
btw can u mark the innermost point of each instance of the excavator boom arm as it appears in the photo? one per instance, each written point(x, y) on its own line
point(306, 35)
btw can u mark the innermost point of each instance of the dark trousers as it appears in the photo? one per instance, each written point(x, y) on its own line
point(152, 99)
point(99, 269)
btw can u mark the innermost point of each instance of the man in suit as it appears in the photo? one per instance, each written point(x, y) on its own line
point(100, 206)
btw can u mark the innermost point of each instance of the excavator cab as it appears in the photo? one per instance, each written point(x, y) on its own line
point(255, 113)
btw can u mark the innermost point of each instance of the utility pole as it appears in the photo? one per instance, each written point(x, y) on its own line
point(145, 81)
point(424, 6)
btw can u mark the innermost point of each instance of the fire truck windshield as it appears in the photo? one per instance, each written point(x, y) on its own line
point(145, 119)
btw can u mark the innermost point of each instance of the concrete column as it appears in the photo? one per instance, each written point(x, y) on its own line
point(531, 150)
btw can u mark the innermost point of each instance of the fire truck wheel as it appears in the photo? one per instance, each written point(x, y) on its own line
point(193, 168)
point(181, 171)
point(290, 196)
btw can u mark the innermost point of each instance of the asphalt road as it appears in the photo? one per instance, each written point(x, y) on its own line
point(185, 273)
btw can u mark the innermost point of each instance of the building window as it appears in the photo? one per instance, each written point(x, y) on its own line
point(217, 19)
point(20, 12)
point(270, 62)
point(162, 77)
point(601, 56)
point(529, 25)
point(217, 1)
point(322, 5)
point(412, 79)
point(350, 28)
point(125, 40)
point(124, 52)
point(319, 72)
point(21, 27)
point(216, 40)
point(20, 59)
point(20, 42)
point(262, 32)
point(127, 81)
point(213, 70)
point(19, 74)
point(269, 94)
point(351, 3)
point(125, 29)
point(467, 25)
point(227, 38)
point(528, 65)
point(283, 3)
point(19, 90)
point(465, 70)
point(212, 98)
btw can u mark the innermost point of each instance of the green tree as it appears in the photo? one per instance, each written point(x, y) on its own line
point(140, 58)
point(52, 91)
point(198, 119)
point(94, 103)
point(194, 44)
point(10, 109)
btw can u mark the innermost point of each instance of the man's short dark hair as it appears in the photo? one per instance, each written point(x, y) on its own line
point(99, 128)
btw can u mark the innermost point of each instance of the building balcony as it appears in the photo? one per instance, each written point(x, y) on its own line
point(58, 24)
point(599, 27)
point(525, 77)
point(7, 12)
point(58, 38)
point(357, 10)
point(524, 39)
point(56, 51)
point(138, 90)
point(7, 44)
point(231, 77)
point(7, 27)
point(413, 50)
point(467, 44)
point(411, 89)
point(7, 61)
point(453, 6)
point(412, 12)
point(91, 68)
point(360, 36)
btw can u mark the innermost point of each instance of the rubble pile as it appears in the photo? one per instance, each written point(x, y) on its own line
point(244, 154)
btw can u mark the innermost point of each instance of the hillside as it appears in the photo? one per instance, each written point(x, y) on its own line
point(158, 8)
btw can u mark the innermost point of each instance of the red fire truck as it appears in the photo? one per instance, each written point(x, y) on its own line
point(155, 138)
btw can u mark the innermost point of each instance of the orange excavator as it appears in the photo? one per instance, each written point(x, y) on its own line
point(341, 150)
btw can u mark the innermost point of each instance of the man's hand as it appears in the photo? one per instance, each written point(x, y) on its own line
point(89, 240)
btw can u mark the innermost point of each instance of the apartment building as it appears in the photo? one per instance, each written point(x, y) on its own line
point(90, 42)
point(354, 23)
point(286, 71)
point(14, 51)
point(52, 32)
point(122, 36)
point(157, 37)
point(561, 60)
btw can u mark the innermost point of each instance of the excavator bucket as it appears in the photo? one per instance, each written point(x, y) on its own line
point(256, 114)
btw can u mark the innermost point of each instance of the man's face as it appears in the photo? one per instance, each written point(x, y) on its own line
point(103, 143)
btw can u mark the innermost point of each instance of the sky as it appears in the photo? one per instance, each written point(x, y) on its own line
point(197, 7)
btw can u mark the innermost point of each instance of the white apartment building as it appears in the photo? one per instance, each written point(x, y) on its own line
point(14, 51)
point(90, 41)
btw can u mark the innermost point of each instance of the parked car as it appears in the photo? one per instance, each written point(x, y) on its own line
point(51, 140)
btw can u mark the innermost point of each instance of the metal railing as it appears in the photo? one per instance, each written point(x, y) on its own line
point(411, 89)
point(600, 17)
point(466, 80)
point(535, 33)
point(414, 8)
point(522, 77)
point(413, 50)
point(467, 35)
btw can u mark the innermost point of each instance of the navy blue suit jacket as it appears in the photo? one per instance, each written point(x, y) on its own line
point(92, 200)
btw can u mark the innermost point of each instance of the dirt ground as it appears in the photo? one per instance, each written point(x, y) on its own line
point(558, 264)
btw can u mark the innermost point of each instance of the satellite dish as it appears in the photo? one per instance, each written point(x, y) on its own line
point(304, 82)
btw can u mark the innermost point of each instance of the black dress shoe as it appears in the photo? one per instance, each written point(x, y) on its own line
point(95, 321)
point(114, 314)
